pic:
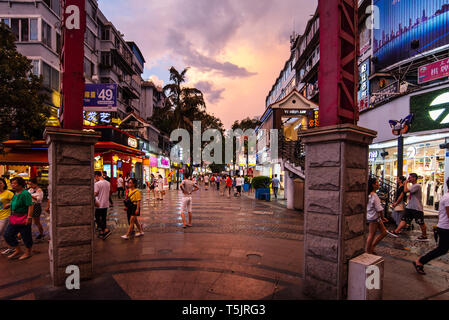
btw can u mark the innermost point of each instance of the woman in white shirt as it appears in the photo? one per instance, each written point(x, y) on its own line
point(37, 195)
point(374, 216)
point(160, 188)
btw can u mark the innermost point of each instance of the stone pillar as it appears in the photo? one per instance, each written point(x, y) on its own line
point(71, 189)
point(289, 190)
point(335, 206)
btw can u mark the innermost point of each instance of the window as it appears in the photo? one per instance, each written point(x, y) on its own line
point(54, 5)
point(46, 73)
point(54, 79)
point(89, 38)
point(46, 33)
point(58, 43)
point(51, 77)
point(106, 59)
point(35, 64)
point(24, 29)
point(33, 29)
point(6, 21)
point(105, 34)
point(88, 68)
point(15, 28)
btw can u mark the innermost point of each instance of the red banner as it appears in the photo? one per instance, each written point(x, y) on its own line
point(433, 71)
point(72, 65)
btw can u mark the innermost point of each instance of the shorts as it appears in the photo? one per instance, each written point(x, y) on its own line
point(206, 183)
point(239, 189)
point(37, 210)
point(186, 204)
point(411, 214)
point(377, 220)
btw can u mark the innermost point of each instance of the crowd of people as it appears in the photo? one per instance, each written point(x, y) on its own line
point(21, 207)
point(407, 206)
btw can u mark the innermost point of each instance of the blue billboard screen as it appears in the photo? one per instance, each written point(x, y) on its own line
point(403, 21)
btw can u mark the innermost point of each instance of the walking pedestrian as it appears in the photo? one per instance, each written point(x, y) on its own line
point(5, 211)
point(217, 182)
point(37, 195)
point(442, 232)
point(108, 179)
point(133, 204)
point(229, 183)
point(206, 182)
point(120, 187)
point(222, 185)
point(20, 220)
point(399, 203)
point(101, 193)
point(152, 185)
point(239, 184)
point(375, 217)
point(275, 182)
point(160, 188)
point(414, 209)
point(188, 187)
point(250, 183)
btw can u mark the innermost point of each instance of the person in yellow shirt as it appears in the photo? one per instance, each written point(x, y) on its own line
point(5, 210)
point(133, 209)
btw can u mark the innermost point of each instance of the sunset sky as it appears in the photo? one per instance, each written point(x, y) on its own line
point(235, 48)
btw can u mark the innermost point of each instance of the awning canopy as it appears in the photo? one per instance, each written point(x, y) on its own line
point(26, 157)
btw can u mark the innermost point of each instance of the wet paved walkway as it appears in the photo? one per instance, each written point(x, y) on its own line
point(238, 248)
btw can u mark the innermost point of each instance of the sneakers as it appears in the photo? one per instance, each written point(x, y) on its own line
point(139, 234)
point(393, 234)
point(125, 237)
point(8, 251)
point(422, 238)
point(106, 235)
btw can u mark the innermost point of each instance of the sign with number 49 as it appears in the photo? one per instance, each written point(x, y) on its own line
point(100, 96)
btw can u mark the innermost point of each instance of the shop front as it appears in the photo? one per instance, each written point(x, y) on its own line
point(424, 150)
point(156, 165)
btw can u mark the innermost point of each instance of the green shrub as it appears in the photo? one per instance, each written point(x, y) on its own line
point(261, 182)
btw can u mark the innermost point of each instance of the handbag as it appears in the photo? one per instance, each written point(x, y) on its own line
point(18, 220)
point(400, 207)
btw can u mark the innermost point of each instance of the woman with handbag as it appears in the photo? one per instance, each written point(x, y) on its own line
point(20, 220)
point(37, 194)
point(132, 204)
point(374, 217)
point(399, 203)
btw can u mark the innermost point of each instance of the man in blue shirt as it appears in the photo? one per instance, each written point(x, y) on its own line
point(275, 182)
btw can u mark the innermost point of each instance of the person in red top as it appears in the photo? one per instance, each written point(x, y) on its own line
point(229, 185)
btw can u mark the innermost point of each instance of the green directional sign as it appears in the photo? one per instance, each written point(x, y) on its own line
point(431, 110)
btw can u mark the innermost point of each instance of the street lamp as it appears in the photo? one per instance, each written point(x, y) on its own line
point(399, 128)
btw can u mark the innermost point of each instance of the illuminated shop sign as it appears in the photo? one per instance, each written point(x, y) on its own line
point(373, 154)
point(132, 142)
point(363, 94)
point(314, 121)
point(163, 162)
point(96, 118)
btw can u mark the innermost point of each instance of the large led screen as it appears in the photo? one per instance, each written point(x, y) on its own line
point(402, 21)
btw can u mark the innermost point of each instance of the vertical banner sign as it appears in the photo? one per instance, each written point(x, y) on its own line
point(72, 62)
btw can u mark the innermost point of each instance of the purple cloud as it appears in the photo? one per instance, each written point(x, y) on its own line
point(212, 95)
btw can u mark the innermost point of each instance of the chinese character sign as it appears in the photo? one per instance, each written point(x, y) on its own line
point(363, 93)
point(100, 95)
point(433, 71)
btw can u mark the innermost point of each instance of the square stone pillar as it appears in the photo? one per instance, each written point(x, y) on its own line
point(335, 206)
point(71, 196)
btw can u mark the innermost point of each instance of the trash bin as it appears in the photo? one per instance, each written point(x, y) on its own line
point(298, 188)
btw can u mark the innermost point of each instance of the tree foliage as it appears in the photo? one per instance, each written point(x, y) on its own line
point(245, 124)
point(22, 106)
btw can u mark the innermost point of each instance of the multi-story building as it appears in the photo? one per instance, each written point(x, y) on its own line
point(152, 97)
point(404, 71)
point(108, 58)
